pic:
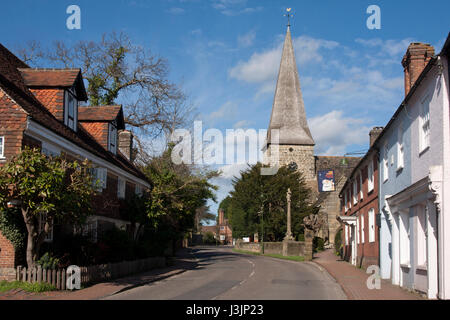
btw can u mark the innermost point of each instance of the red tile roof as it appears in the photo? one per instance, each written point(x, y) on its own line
point(12, 82)
point(102, 114)
point(59, 78)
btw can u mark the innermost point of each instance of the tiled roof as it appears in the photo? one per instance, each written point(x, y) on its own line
point(102, 114)
point(12, 83)
point(61, 78)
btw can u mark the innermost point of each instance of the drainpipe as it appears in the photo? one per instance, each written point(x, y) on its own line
point(438, 252)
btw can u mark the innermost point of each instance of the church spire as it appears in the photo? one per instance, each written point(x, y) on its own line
point(288, 112)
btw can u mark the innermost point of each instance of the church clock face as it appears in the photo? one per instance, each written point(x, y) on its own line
point(293, 166)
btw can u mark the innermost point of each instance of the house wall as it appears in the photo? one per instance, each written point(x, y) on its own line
point(398, 180)
point(367, 252)
point(13, 121)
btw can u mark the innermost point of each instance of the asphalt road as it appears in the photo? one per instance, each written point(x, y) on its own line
point(221, 274)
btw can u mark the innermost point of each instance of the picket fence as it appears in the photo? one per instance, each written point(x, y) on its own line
point(89, 275)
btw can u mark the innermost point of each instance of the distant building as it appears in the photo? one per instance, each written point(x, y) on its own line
point(225, 232)
point(359, 209)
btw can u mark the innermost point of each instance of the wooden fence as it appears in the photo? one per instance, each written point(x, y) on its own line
point(89, 275)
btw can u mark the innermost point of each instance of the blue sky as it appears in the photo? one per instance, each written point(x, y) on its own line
point(226, 53)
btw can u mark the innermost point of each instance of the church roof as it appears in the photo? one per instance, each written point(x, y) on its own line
point(288, 112)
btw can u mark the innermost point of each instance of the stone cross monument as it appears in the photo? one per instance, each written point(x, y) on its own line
point(289, 236)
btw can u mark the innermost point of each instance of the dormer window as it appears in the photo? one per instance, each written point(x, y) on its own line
point(70, 110)
point(112, 139)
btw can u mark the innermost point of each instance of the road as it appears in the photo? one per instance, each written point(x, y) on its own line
point(221, 274)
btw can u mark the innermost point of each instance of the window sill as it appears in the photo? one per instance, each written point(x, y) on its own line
point(400, 168)
point(405, 265)
point(423, 151)
point(422, 267)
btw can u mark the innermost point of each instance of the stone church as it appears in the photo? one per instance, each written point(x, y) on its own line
point(296, 143)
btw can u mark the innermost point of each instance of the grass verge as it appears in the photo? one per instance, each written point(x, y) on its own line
point(278, 256)
point(28, 287)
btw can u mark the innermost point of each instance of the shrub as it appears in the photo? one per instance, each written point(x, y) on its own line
point(208, 238)
point(338, 243)
point(301, 237)
point(318, 244)
point(48, 261)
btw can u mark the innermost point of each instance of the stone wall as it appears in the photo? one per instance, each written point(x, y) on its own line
point(292, 248)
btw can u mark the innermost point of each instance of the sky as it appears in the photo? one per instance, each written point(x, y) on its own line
point(226, 53)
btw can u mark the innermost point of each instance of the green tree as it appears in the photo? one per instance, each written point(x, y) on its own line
point(255, 195)
point(46, 190)
point(177, 194)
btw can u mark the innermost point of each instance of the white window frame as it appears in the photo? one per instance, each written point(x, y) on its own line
point(121, 187)
point(385, 162)
point(405, 241)
point(363, 229)
point(355, 192)
point(422, 233)
point(425, 124)
point(100, 175)
point(358, 228)
point(400, 148)
point(2, 147)
point(67, 120)
point(346, 235)
point(138, 190)
point(370, 176)
point(361, 192)
point(372, 225)
point(349, 198)
point(345, 201)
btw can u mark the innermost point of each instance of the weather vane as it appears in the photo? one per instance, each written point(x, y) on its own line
point(289, 15)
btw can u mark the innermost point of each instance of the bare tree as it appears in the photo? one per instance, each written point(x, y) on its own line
point(120, 72)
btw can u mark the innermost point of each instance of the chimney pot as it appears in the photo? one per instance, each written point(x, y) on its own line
point(415, 60)
point(126, 144)
point(374, 134)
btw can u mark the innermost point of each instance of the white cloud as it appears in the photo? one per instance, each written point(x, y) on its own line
point(386, 47)
point(226, 111)
point(247, 39)
point(234, 7)
point(262, 67)
point(333, 132)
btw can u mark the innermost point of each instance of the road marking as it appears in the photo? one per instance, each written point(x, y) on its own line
point(242, 282)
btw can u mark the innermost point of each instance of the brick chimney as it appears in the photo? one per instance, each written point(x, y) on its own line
point(126, 144)
point(221, 216)
point(374, 134)
point(416, 58)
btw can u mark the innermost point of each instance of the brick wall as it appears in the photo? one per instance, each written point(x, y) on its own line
point(12, 125)
point(367, 252)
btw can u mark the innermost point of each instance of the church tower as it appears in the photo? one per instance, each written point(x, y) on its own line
point(296, 144)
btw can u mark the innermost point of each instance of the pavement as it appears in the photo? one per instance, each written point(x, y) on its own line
point(354, 280)
point(183, 262)
point(218, 273)
point(221, 274)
